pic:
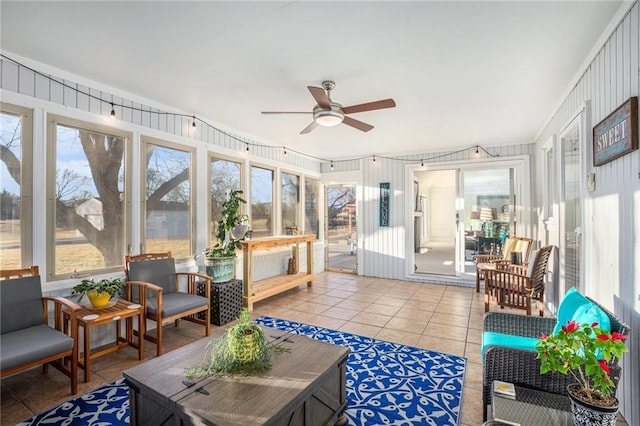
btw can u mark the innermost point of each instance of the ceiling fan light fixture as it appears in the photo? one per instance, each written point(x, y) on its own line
point(328, 117)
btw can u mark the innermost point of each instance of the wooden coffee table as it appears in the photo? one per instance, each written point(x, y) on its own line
point(305, 386)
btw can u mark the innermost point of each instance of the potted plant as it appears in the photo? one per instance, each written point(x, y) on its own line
point(99, 293)
point(291, 229)
point(241, 350)
point(584, 351)
point(220, 259)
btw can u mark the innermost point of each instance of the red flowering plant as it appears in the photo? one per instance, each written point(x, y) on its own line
point(584, 351)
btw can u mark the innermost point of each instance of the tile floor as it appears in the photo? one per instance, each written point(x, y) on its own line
point(432, 316)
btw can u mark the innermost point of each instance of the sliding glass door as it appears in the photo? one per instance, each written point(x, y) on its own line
point(341, 228)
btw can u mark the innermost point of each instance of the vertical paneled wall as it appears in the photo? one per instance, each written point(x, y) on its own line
point(611, 219)
point(31, 82)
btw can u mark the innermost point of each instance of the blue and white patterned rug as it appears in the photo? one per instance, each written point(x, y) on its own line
point(387, 384)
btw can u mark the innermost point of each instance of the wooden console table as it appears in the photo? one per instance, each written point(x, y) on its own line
point(255, 291)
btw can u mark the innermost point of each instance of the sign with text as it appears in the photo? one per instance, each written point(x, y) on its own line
point(617, 134)
point(385, 189)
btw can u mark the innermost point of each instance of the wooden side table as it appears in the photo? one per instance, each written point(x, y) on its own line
point(87, 318)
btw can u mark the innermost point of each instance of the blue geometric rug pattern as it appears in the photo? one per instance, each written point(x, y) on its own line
point(387, 384)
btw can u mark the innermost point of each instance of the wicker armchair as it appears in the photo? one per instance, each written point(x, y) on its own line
point(486, 262)
point(521, 367)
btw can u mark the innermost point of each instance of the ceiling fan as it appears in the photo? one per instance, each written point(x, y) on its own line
point(328, 113)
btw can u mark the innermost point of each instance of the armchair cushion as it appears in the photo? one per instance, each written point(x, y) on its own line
point(175, 303)
point(21, 304)
point(161, 272)
point(31, 344)
point(574, 306)
point(490, 338)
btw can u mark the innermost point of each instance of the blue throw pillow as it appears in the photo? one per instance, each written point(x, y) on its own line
point(574, 306)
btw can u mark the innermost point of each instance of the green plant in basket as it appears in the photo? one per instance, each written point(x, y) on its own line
point(584, 351)
point(241, 350)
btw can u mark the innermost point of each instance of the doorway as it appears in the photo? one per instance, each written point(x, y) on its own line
point(341, 229)
point(435, 216)
point(570, 206)
point(461, 213)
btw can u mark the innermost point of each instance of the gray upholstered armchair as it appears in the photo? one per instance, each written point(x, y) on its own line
point(27, 339)
point(154, 283)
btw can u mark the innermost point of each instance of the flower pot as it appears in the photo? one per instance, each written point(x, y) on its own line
point(587, 414)
point(98, 300)
point(220, 269)
point(246, 348)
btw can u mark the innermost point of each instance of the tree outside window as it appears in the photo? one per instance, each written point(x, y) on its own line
point(15, 188)
point(290, 200)
point(225, 177)
point(168, 214)
point(88, 226)
point(261, 201)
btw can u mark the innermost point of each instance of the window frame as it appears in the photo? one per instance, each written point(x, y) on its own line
point(191, 150)
point(243, 208)
point(53, 120)
point(318, 205)
point(274, 197)
point(298, 201)
point(26, 179)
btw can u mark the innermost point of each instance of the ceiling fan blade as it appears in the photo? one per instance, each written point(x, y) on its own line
point(369, 106)
point(357, 124)
point(309, 128)
point(287, 112)
point(320, 96)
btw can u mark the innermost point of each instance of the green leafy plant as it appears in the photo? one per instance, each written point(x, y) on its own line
point(226, 245)
point(112, 286)
point(584, 351)
point(226, 355)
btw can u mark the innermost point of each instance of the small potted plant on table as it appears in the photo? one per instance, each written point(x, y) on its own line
point(241, 350)
point(99, 292)
point(584, 351)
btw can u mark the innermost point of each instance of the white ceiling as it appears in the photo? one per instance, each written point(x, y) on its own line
point(461, 73)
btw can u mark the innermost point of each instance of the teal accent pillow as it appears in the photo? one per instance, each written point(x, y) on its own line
point(592, 313)
point(574, 306)
point(490, 338)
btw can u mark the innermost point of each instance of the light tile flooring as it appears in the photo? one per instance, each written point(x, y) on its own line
point(432, 316)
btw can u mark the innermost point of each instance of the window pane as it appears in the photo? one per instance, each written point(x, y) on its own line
point(225, 177)
point(90, 202)
point(290, 200)
point(311, 206)
point(10, 187)
point(261, 201)
point(168, 207)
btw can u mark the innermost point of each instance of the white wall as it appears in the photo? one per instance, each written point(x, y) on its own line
point(611, 213)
